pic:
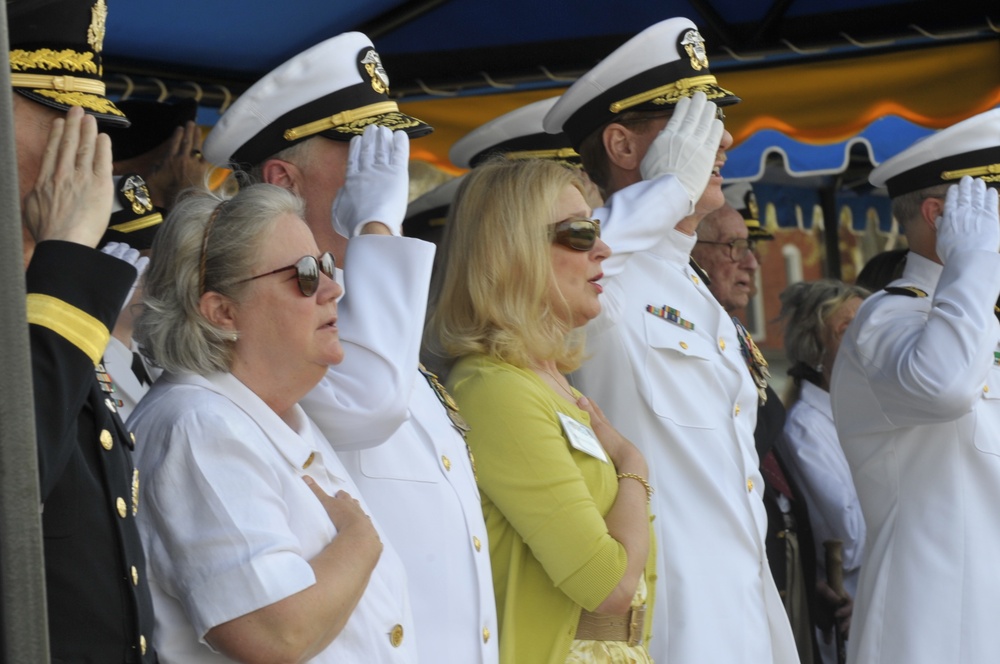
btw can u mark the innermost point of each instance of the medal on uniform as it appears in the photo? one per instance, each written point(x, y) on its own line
point(451, 408)
point(104, 378)
point(754, 359)
point(135, 491)
point(670, 315)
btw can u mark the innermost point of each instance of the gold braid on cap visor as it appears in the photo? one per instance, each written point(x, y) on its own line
point(671, 92)
point(60, 83)
point(989, 173)
point(345, 117)
point(555, 153)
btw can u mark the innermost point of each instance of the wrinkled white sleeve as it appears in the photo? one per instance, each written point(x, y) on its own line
point(634, 220)
point(925, 367)
point(221, 555)
point(364, 399)
point(816, 461)
point(638, 217)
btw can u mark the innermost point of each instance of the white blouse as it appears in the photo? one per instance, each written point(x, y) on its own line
point(816, 462)
point(229, 526)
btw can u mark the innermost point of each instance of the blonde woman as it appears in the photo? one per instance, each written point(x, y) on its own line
point(565, 496)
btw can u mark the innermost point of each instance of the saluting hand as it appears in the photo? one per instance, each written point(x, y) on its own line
point(971, 220)
point(72, 196)
point(377, 182)
point(183, 166)
point(687, 147)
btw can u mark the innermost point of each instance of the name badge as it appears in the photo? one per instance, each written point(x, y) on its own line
point(582, 438)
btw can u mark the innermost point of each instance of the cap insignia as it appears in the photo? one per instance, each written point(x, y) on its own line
point(752, 205)
point(694, 46)
point(98, 23)
point(135, 192)
point(373, 65)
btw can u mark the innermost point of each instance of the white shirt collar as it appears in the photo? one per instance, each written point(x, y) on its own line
point(297, 444)
point(920, 272)
point(816, 397)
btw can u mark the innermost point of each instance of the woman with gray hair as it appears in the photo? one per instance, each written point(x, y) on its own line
point(816, 315)
point(251, 558)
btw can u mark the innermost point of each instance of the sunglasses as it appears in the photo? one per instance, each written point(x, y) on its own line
point(578, 233)
point(307, 271)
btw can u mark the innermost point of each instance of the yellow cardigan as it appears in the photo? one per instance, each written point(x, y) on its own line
point(544, 504)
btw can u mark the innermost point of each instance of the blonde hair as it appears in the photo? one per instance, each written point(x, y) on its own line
point(170, 328)
point(496, 279)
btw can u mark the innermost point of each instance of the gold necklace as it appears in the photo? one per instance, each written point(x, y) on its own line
point(572, 397)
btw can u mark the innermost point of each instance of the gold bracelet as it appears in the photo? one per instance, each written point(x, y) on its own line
point(641, 480)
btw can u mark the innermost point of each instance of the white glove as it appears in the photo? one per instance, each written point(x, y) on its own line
point(377, 183)
point(687, 146)
point(971, 220)
point(122, 251)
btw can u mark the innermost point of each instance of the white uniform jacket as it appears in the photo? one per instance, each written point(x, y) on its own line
point(815, 460)
point(364, 399)
point(229, 525)
point(666, 368)
point(421, 487)
point(416, 477)
point(916, 401)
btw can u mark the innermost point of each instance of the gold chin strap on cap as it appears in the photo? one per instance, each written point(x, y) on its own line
point(61, 83)
point(556, 153)
point(345, 117)
point(137, 224)
point(676, 89)
point(988, 173)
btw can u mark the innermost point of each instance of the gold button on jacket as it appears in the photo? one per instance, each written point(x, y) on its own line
point(396, 636)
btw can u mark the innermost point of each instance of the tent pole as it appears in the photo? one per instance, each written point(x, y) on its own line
point(831, 228)
point(23, 618)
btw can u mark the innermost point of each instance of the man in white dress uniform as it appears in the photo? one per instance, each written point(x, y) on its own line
point(916, 401)
point(665, 364)
point(294, 128)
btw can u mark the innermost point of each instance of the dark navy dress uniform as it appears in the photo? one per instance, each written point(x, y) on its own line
point(99, 604)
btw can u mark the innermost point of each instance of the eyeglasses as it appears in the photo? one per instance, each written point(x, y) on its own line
point(307, 271)
point(577, 233)
point(738, 248)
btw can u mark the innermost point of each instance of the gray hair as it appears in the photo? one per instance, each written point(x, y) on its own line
point(806, 308)
point(170, 328)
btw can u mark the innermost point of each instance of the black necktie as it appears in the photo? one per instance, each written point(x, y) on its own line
point(139, 369)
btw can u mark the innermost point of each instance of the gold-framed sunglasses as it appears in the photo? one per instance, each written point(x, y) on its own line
point(307, 271)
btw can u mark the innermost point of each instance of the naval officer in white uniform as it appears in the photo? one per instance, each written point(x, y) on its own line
point(916, 400)
point(665, 364)
point(293, 128)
